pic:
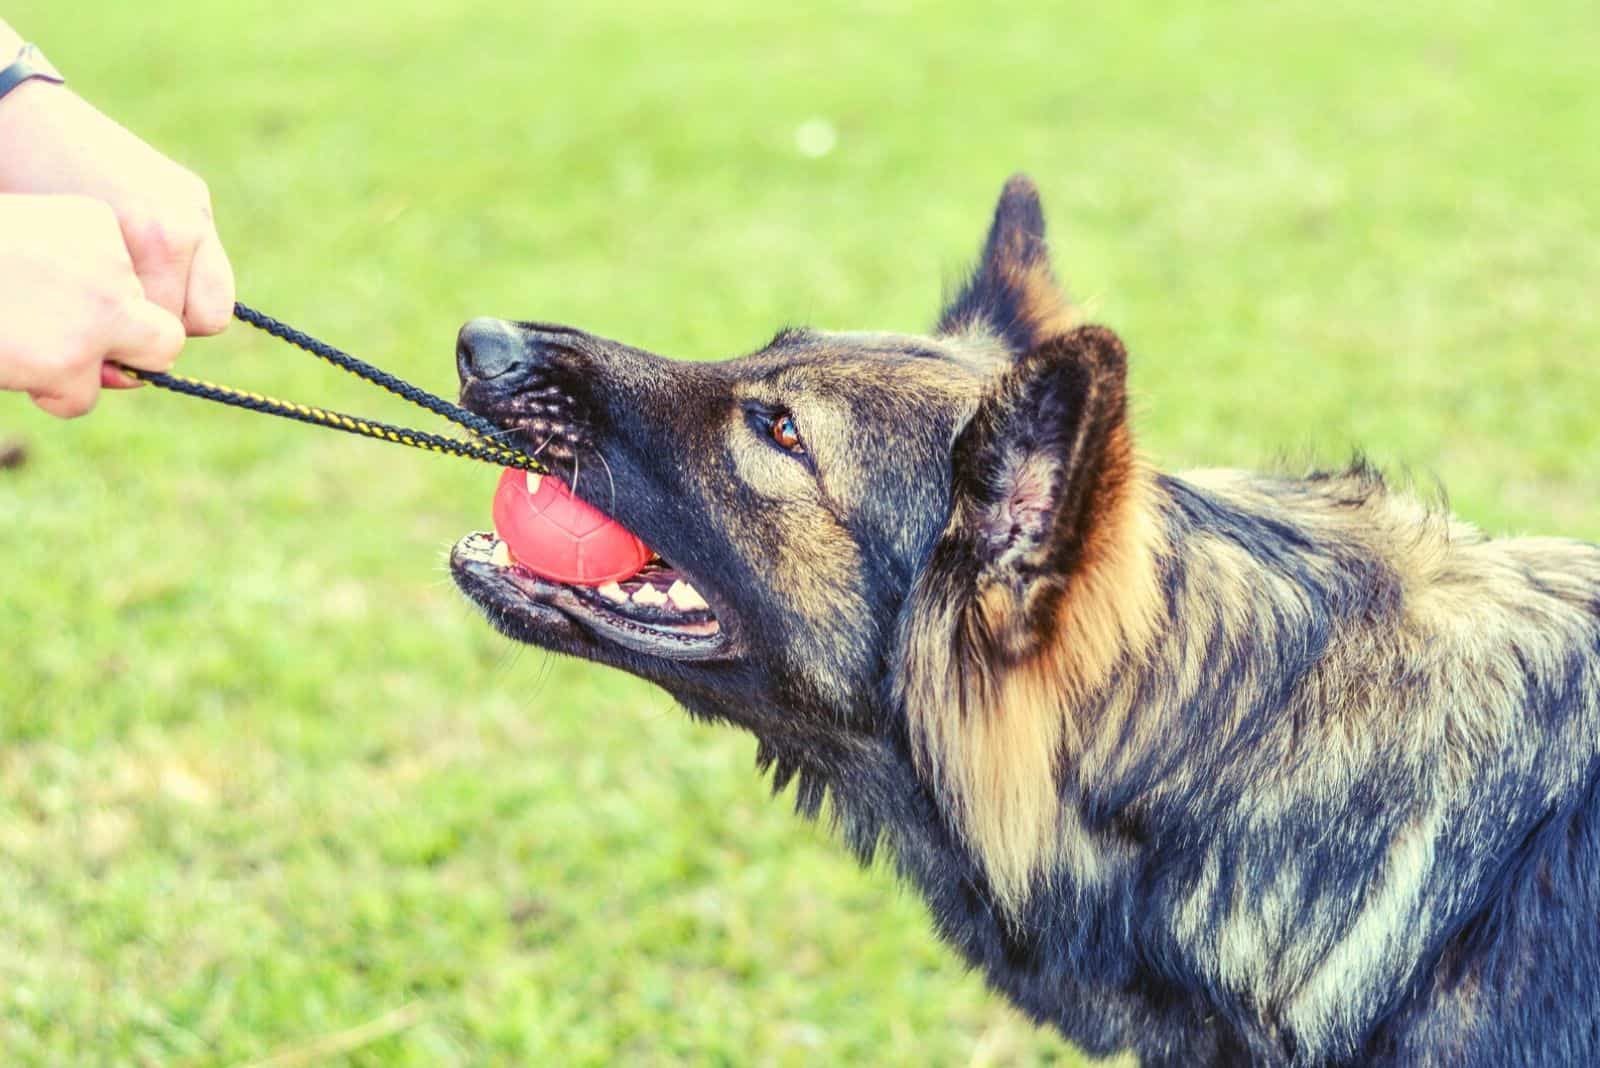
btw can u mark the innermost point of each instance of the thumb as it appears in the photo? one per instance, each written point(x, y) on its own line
point(147, 337)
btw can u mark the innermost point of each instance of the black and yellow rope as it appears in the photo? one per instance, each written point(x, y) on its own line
point(482, 447)
point(370, 428)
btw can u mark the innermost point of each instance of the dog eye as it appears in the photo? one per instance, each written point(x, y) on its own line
point(786, 434)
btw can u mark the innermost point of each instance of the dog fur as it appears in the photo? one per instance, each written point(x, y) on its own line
point(1216, 767)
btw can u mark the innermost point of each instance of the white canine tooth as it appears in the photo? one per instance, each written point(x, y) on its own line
point(686, 596)
point(500, 555)
point(650, 596)
point(613, 593)
point(534, 479)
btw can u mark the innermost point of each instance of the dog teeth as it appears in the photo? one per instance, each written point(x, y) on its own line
point(686, 596)
point(613, 593)
point(500, 555)
point(534, 480)
point(649, 596)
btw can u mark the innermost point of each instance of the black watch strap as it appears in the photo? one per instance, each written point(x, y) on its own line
point(30, 63)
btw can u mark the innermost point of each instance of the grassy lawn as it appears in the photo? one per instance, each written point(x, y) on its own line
point(270, 790)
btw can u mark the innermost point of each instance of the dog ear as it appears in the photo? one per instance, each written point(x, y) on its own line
point(1012, 294)
point(1041, 580)
point(1045, 454)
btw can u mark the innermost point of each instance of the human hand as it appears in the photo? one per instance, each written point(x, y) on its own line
point(56, 142)
point(70, 301)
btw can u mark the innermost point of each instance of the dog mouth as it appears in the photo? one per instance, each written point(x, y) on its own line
point(657, 611)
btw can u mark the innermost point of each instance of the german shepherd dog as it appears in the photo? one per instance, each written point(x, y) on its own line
point(1214, 767)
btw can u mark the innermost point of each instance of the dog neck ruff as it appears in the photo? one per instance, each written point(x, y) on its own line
point(546, 529)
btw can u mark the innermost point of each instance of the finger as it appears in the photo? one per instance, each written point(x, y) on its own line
point(208, 305)
point(147, 337)
point(70, 399)
point(113, 377)
point(161, 257)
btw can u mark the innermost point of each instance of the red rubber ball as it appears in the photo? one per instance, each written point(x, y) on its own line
point(557, 536)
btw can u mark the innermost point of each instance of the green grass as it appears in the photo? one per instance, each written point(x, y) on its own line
point(269, 788)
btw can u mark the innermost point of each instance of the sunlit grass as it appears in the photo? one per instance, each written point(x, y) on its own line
point(268, 787)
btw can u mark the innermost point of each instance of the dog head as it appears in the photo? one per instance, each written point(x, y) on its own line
point(871, 520)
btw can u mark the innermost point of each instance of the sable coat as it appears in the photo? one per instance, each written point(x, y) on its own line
point(1216, 767)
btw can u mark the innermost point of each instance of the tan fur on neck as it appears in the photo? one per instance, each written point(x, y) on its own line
point(993, 736)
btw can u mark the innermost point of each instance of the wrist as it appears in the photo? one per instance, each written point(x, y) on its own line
point(27, 109)
point(27, 97)
point(26, 66)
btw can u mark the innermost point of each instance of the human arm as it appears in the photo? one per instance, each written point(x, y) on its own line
point(53, 141)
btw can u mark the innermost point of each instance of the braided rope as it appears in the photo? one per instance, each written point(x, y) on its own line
point(484, 448)
point(361, 369)
point(370, 428)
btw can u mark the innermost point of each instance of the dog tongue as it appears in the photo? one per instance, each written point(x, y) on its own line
point(556, 536)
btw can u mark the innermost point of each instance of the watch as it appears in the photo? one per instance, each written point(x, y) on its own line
point(30, 63)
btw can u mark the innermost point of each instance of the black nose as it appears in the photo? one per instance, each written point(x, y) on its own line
point(488, 348)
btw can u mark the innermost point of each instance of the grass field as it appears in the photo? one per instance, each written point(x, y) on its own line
point(269, 790)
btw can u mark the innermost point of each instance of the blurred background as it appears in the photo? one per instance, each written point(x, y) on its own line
point(271, 792)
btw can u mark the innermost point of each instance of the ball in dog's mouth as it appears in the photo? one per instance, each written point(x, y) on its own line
point(551, 550)
point(561, 537)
